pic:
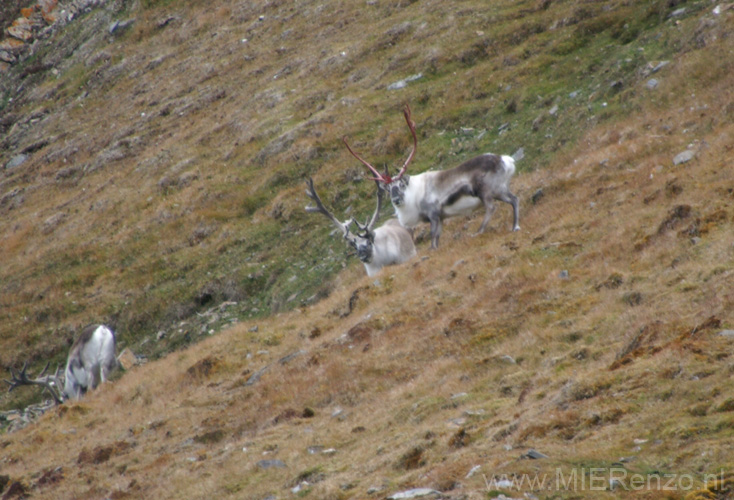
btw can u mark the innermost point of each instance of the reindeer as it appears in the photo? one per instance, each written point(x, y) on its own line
point(387, 245)
point(435, 195)
point(90, 361)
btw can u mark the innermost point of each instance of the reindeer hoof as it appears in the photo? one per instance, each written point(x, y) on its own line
point(515, 229)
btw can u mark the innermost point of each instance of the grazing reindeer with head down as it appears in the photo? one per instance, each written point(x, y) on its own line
point(91, 360)
point(387, 245)
point(435, 195)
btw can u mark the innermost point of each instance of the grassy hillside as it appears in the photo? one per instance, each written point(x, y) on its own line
point(163, 178)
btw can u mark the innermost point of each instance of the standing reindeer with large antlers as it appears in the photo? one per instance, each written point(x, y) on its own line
point(387, 245)
point(435, 195)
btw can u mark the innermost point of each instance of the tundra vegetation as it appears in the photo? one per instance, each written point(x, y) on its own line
point(152, 179)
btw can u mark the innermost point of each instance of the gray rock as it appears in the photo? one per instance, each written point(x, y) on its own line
point(271, 464)
point(537, 196)
point(563, 274)
point(415, 493)
point(16, 161)
point(727, 333)
point(287, 359)
point(255, 377)
point(660, 66)
point(683, 157)
point(519, 154)
point(534, 455)
point(508, 359)
point(7, 56)
point(118, 27)
point(400, 84)
point(652, 84)
point(52, 222)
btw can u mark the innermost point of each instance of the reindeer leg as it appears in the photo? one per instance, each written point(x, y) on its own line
point(513, 200)
point(489, 208)
point(436, 228)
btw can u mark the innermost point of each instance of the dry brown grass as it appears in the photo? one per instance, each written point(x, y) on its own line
point(469, 355)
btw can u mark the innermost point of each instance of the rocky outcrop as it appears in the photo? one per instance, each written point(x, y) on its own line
point(34, 23)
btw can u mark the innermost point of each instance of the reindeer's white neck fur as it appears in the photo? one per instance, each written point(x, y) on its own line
point(409, 213)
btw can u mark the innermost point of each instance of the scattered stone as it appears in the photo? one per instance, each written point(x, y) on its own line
point(400, 84)
point(473, 471)
point(652, 84)
point(255, 377)
point(457, 422)
point(271, 464)
point(519, 154)
point(302, 486)
point(574, 94)
point(683, 157)
point(127, 359)
point(678, 12)
point(727, 333)
point(414, 493)
point(553, 111)
point(313, 450)
point(563, 275)
point(508, 359)
point(537, 196)
point(534, 455)
point(118, 27)
point(287, 359)
point(52, 222)
point(660, 66)
point(16, 161)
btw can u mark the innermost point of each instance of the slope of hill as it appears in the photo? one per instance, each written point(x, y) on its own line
point(161, 176)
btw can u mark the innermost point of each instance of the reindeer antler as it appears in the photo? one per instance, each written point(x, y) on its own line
point(21, 378)
point(411, 126)
point(385, 178)
point(320, 208)
point(367, 228)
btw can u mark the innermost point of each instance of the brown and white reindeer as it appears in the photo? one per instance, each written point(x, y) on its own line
point(90, 361)
point(387, 245)
point(435, 195)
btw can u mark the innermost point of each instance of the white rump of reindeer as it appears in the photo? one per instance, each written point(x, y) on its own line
point(91, 360)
